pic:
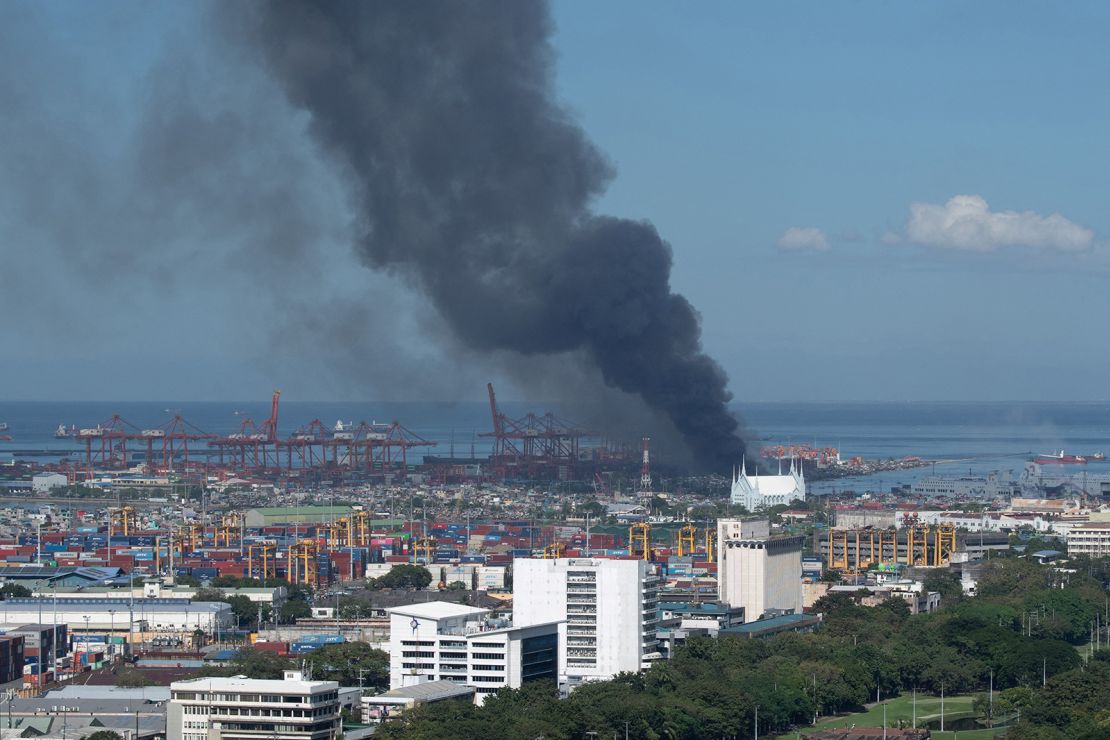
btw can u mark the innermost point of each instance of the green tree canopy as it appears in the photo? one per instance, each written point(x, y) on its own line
point(14, 591)
point(343, 662)
point(404, 576)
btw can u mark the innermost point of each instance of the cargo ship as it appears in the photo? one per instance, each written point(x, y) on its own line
point(1060, 459)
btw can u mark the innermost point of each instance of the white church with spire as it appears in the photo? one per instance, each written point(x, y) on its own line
point(755, 492)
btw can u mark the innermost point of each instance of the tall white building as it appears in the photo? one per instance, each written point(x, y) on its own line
point(756, 571)
point(239, 708)
point(1092, 538)
point(757, 492)
point(441, 641)
point(608, 612)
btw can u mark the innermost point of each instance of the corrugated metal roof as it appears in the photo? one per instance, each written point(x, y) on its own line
point(429, 690)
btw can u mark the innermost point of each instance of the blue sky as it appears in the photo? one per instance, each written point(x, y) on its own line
point(729, 124)
point(734, 122)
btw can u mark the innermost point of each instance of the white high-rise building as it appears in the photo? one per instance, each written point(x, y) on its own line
point(609, 610)
point(756, 571)
point(441, 641)
point(239, 708)
point(1092, 538)
point(757, 492)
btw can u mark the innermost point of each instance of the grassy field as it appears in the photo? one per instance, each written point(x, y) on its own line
point(901, 708)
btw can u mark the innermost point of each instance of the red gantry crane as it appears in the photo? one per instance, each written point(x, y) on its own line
point(166, 443)
point(251, 446)
point(532, 446)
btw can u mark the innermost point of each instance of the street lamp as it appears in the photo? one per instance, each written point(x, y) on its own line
point(112, 630)
point(9, 695)
point(87, 618)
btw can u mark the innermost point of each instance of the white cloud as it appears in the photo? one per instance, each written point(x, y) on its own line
point(966, 222)
point(795, 240)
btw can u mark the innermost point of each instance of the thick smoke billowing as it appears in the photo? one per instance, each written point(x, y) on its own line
point(472, 182)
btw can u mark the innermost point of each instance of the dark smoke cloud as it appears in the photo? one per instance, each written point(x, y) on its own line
point(471, 181)
point(160, 201)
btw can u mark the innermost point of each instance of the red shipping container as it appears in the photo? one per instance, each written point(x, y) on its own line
point(280, 648)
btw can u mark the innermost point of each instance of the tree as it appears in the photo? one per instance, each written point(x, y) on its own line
point(252, 663)
point(946, 583)
point(293, 610)
point(456, 586)
point(343, 662)
point(404, 576)
point(104, 735)
point(235, 582)
point(186, 580)
point(13, 591)
point(209, 594)
point(246, 611)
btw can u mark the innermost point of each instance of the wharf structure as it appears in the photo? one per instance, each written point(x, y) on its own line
point(857, 550)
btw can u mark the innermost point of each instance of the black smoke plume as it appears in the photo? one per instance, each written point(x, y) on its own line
point(474, 183)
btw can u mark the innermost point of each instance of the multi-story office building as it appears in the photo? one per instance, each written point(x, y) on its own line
point(1092, 538)
point(748, 528)
point(760, 573)
point(453, 642)
point(248, 709)
point(608, 610)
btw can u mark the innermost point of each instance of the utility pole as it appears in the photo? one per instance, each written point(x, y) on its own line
point(815, 698)
point(942, 707)
point(990, 709)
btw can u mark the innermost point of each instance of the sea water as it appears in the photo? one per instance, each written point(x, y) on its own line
point(961, 438)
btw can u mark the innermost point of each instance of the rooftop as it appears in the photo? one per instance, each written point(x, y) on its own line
point(93, 691)
point(427, 691)
point(705, 607)
point(436, 610)
point(106, 605)
point(786, 621)
point(259, 685)
point(92, 573)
